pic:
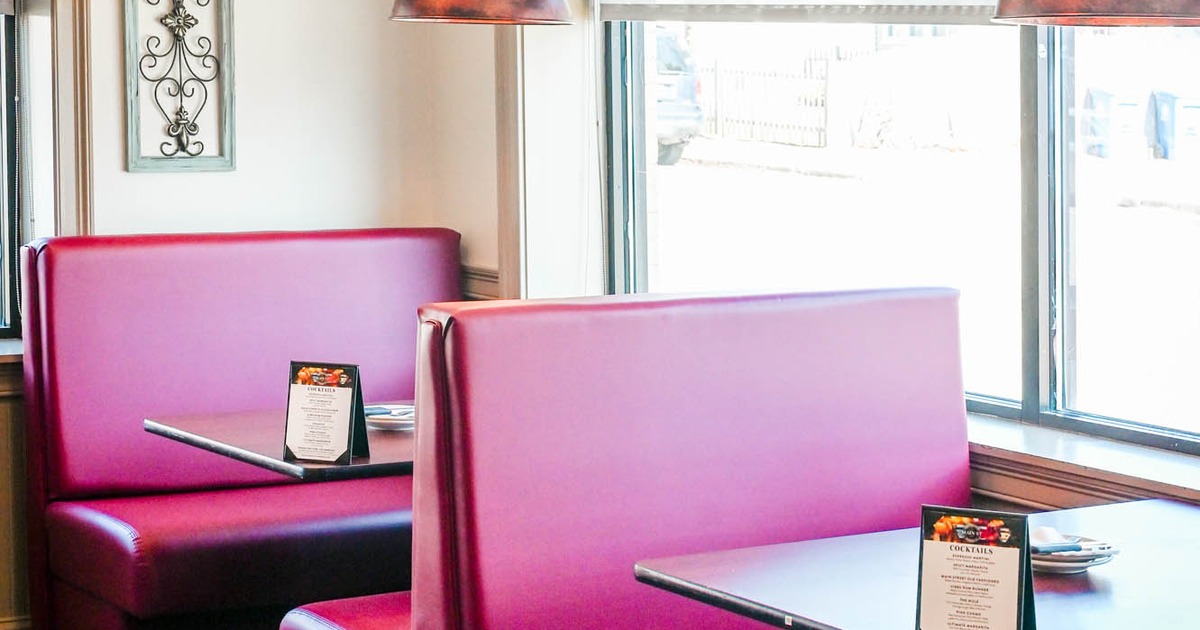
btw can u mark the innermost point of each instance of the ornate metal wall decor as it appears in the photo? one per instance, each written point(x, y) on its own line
point(179, 84)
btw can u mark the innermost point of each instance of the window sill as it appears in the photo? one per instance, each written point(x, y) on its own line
point(11, 350)
point(1043, 468)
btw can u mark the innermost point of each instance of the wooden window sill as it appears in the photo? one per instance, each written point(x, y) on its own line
point(1044, 468)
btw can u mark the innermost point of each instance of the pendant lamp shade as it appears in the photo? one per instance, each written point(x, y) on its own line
point(483, 11)
point(1100, 12)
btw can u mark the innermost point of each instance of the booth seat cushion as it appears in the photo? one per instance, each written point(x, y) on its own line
point(389, 611)
point(78, 610)
point(241, 548)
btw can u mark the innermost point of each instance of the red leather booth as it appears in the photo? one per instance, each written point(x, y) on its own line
point(561, 441)
point(130, 530)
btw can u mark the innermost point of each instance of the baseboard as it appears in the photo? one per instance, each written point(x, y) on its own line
point(16, 623)
point(479, 283)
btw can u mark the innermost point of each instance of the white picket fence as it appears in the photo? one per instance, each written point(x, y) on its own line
point(785, 107)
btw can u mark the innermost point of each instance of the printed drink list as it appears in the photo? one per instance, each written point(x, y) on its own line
point(324, 411)
point(974, 570)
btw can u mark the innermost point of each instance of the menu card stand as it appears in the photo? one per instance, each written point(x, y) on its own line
point(975, 571)
point(325, 419)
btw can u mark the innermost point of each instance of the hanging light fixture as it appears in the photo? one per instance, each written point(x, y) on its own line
point(1099, 12)
point(483, 11)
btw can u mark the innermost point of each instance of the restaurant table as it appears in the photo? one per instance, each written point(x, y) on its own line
point(869, 581)
point(256, 437)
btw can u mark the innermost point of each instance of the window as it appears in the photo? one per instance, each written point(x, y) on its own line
point(846, 146)
point(9, 225)
point(1130, 216)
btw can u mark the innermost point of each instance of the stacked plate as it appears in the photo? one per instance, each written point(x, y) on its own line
point(1053, 552)
point(390, 417)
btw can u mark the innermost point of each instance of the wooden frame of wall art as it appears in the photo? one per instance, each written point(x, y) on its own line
point(179, 85)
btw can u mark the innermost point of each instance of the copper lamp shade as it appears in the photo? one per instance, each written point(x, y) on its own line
point(1100, 12)
point(483, 11)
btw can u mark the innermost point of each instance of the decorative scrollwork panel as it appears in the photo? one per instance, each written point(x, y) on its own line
point(179, 85)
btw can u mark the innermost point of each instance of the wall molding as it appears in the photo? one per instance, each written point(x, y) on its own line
point(510, 160)
point(83, 116)
point(72, 61)
point(480, 283)
point(12, 380)
point(14, 589)
point(16, 623)
point(1044, 484)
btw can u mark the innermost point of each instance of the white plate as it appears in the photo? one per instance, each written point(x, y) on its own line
point(1103, 550)
point(1075, 556)
point(399, 418)
point(1059, 566)
point(395, 409)
point(390, 423)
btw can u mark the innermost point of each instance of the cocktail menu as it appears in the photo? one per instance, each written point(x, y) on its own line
point(325, 420)
point(974, 571)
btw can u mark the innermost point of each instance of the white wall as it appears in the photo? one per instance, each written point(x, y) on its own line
point(318, 132)
point(455, 79)
point(345, 119)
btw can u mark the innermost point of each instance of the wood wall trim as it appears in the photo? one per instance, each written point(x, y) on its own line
point(480, 283)
point(14, 589)
point(72, 61)
point(83, 116)
point(16, 623)
point(1041, 483)
point(510, 160)
point(12, 380)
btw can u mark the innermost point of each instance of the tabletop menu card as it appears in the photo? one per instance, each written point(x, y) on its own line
point(325, 420)
point(974, 571)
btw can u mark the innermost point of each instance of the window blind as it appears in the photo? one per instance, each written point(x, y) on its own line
point(869, 11)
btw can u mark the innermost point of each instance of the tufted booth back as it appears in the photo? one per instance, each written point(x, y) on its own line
point(123, 327)
point(560, 441)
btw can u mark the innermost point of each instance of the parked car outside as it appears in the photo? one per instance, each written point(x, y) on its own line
point(677, 90)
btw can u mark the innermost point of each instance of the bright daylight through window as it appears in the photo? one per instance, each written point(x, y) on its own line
point(9, 232)
point(807, 155)
point(1131, 238)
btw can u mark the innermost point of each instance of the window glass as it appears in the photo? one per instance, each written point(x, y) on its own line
point(800, 156)
point(1131, 243)
point(9, 225)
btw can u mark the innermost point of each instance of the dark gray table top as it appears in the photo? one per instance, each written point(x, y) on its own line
point(869, 581)
point(256, 437)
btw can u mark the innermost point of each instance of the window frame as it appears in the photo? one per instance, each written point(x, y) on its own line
point(625, 222)
point(10, 226)
point(1046, 181)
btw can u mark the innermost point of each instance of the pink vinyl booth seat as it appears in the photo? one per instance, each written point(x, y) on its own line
point(130, 530)
point(561, 441)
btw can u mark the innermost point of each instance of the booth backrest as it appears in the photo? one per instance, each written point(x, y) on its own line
point(561, 441)
point(124, 327)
